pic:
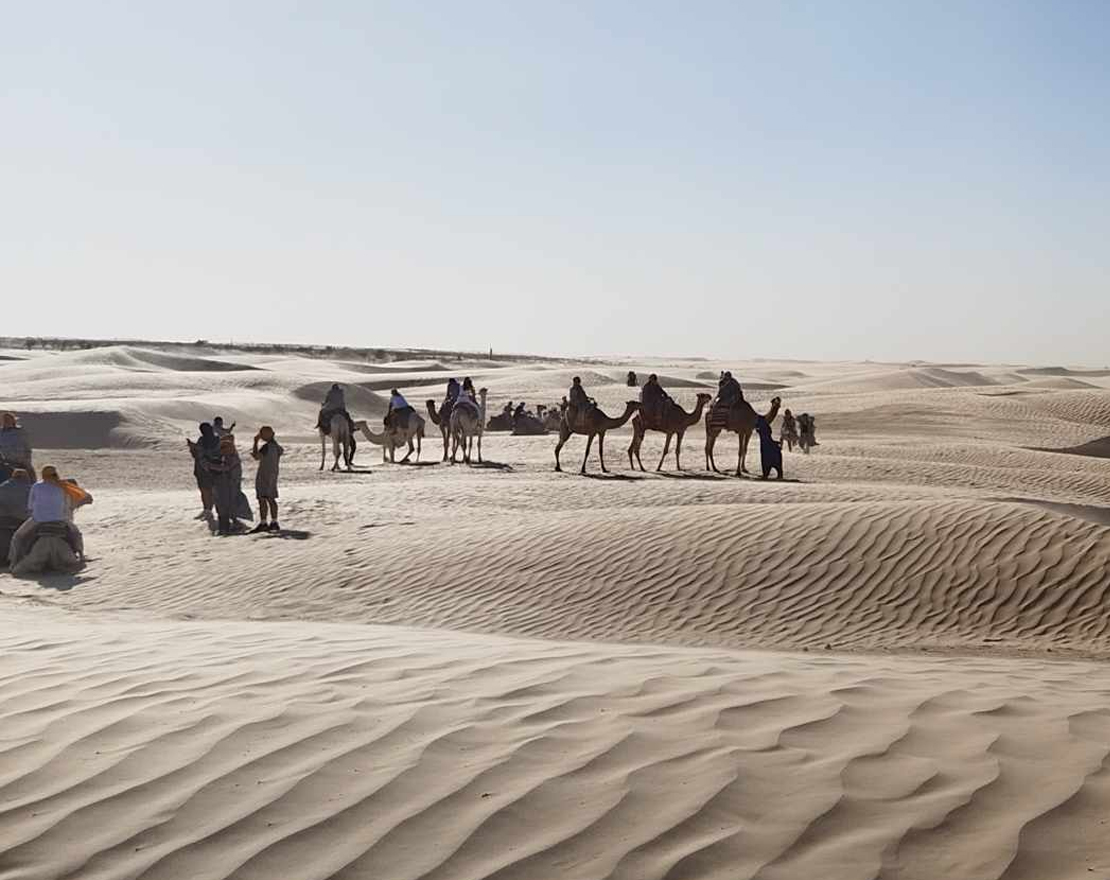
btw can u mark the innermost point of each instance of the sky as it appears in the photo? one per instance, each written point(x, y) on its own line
point(837, 180)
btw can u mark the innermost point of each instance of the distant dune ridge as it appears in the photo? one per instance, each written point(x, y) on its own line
point(503, 672)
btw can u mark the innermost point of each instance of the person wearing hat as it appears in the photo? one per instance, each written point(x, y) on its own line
point(50, 502)
point(399, 411)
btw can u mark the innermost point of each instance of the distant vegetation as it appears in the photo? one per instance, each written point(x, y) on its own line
point(373, 355)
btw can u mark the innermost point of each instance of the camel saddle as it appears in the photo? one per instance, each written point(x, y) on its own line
point(718, 414)
point(466, 402)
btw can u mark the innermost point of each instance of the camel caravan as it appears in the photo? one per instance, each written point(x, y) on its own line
point(461, 419)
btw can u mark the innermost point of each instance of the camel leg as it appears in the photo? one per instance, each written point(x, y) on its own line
point(564, 436)
point(663, 457)
point(747, 438)
point(634, 446)
point(479, 447)
point(740, 457)
point(601, 452)
point(409, 453)
point(323, 449)
point(678, 450)
point(419, 441)
point(710, 461)
point(586, 457)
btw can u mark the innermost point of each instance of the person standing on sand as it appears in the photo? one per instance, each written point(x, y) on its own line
point(205, 450)
point(15, 449)
point(227, 479)
point(266, 479)
point(770, 449)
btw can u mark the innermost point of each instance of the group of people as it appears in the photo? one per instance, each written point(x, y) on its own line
point(218, 470)
point(37, 531)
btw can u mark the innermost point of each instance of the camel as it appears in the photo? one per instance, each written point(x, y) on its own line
point(465, 427)
point(674, 423)
point(739, 418)
point(340, 439)
point(441, 418)
point(807, 437)
point(392, 440)
point(596, 424)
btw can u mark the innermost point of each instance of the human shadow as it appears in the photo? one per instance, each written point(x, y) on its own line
point(491, 465)
point(287, 535)
point(63, 582)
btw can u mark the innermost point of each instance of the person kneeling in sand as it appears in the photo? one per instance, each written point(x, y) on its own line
point(50, 503)
point(266, 479)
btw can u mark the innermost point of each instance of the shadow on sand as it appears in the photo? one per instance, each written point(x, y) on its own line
point(491, 465)
point(688, 475)
point(286, 535)
point(620, 478)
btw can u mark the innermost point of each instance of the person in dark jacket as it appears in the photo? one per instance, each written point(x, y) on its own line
point(770, 450)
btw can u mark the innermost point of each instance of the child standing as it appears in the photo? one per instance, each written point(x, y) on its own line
point(266, 480)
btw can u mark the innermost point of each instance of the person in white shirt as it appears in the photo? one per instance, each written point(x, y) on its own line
point(398, 413)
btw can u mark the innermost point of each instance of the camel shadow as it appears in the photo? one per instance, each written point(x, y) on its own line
point(418, 464)
point(355, 469)
point(63, 583)
point(621, 478)
point(687, 475)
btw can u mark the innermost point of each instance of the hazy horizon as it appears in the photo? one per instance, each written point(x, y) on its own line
point(861, 182)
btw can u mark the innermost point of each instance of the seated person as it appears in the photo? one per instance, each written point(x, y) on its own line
point(578, 403)
point(728, 390)
point(50, 502)
point(397, 416)
point(335, 403)
point(13, 508)
point(654, 399)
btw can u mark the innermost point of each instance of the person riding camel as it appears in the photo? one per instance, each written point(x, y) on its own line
point(579, 403)
point(467, 391)
point(654, 399)
point(50, 503)
point(335, 403)
point(729, 390)
point(399, 412)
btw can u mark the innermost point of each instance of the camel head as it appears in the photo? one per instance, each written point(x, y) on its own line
point(704, 398)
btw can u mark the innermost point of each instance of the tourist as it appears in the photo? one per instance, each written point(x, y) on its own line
point(220, 430)
point(204, 450)
point(399, 412)
point(227, 474)
point(770, 450)
point(15, 448)
point(266, 479)
point(47, 503)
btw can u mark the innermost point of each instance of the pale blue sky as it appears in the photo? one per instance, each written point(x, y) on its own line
point(884, 180)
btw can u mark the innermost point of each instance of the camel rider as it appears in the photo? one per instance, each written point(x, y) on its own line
point(579, 402)
point(728, 390)
point(452, 390)
point(399, 410)
point(335, 402)
point(654, 399)
point(467, 391)
point(520, 410)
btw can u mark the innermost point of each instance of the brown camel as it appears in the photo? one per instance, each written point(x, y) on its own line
point(674, 423)
point(441, 418)
point(739, 418)
point(593, 423)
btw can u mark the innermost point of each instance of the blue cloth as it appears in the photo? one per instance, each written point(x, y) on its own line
point(770, 450)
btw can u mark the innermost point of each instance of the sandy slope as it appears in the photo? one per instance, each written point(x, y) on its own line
point(159, 722)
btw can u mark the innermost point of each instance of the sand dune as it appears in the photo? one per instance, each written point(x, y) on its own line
point(503, 672)
point(260, 750)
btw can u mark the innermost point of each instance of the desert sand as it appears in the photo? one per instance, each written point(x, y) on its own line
point(891, 664)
